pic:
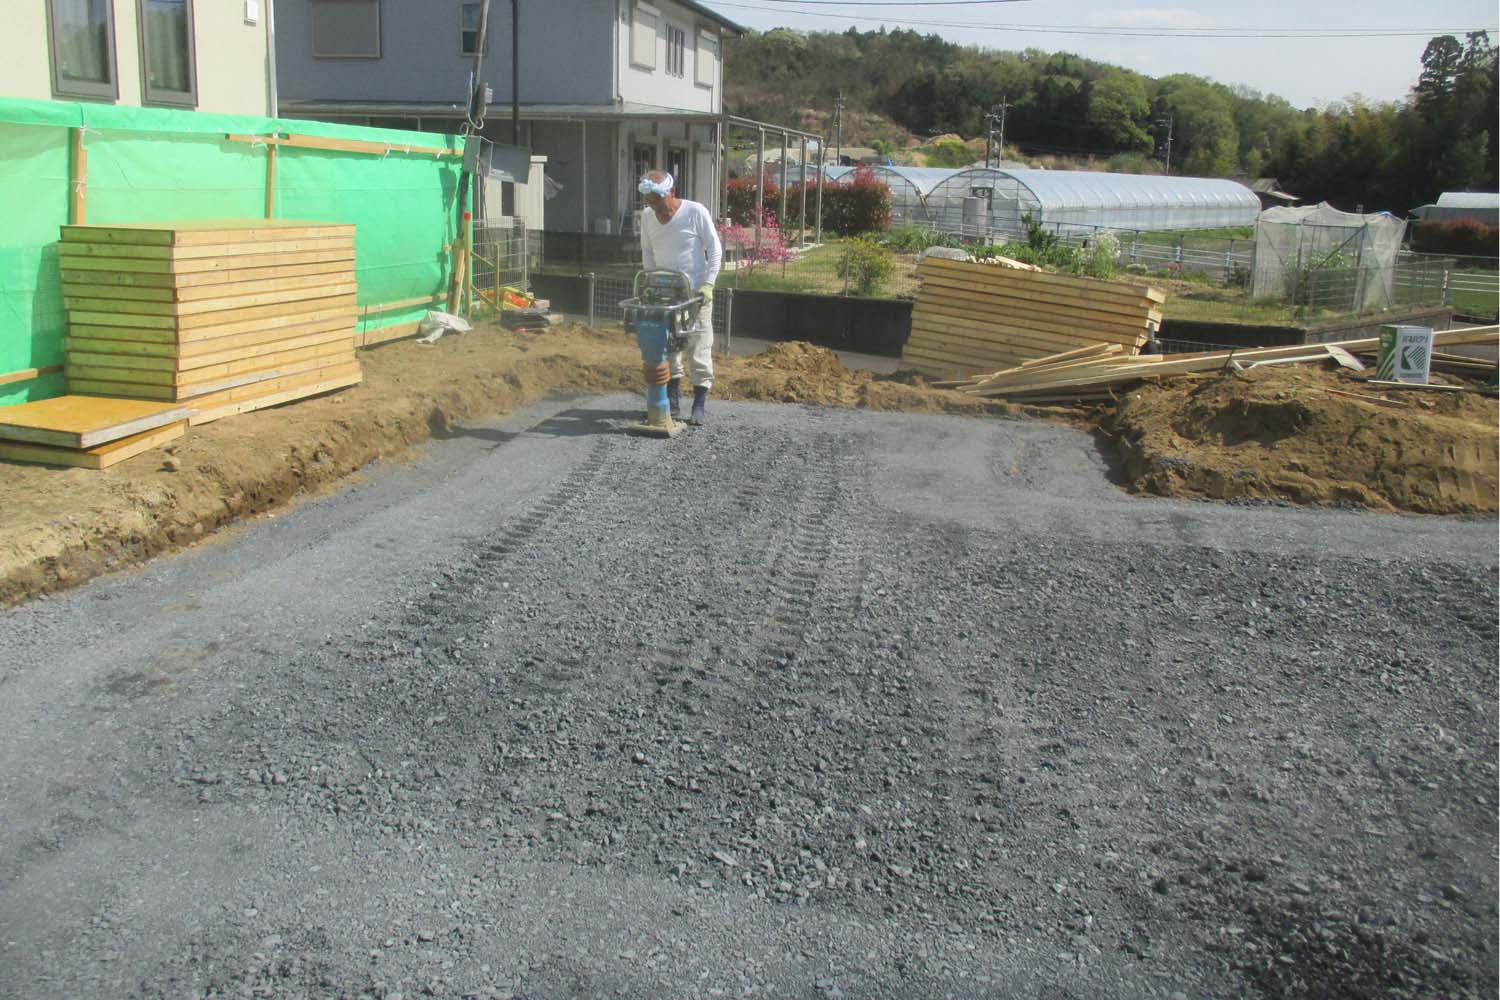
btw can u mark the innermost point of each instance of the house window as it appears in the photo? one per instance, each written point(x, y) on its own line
point(676, 51)
point(83, 48)
point(643, 37)
point(704, 71)
point(468, 29)
point(167, 59)
point(346, 29)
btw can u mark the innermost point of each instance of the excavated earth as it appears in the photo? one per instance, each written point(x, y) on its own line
point(812, 702)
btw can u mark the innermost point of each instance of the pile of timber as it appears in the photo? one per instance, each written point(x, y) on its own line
point(1099, 372)
point(87, 432)
point(975, 317)
point(224, 315)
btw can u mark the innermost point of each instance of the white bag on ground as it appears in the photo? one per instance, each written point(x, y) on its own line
point(438, 323)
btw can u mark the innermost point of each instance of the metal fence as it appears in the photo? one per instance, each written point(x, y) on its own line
point(607, 291)
point(505, 254)
point(1216, 271)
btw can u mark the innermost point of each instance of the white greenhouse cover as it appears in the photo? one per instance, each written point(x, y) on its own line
point(1292, 243)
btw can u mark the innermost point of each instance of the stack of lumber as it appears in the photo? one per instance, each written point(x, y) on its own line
point(972, 317)
point(1099, 372)
point(226, 315)
point(88, 432)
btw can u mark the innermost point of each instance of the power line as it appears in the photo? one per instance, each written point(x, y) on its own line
point(1156, 32)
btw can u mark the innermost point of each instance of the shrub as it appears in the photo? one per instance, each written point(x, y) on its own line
point(912, 237)
point(864, 265)
point(1462, 237)
point(741, 205)
point(740, 243)
point(860, 204)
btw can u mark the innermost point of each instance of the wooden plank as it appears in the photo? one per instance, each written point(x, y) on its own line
point(193, 352)
point(197, 251)
point(134, 334)
point(87, 317)
point(1023, 348)
point(269, 387)
point(385, 307)
point(99, 457)
point(190, 392)
point(261, 362)
point(184, 282)
point(215, 324)
point(386, 334)
point(1029, 298)
point(961, 357)
point(85, 374)
point(85, 360)
point(201, 231)
point(984, 309)
point(79, 164)
point(205, 414)
point(1430, 386)
point(82, 421)
point(122, 390)
point(300, 141)
point(73, 290)
point(333, 335)
point(981, 325)
point(1008, 306)
point(271, 182)
point(1128, 299)
point(196, 307)
point(27, 374)
point(983, 272)
point(1060, 286)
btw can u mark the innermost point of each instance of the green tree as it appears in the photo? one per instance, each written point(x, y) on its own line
point(1118, 111)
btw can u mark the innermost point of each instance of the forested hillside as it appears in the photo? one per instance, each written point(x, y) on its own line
point(1379, 155)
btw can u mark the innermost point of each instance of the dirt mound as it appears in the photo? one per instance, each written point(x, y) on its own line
point(796, 356)
point(1312, 436)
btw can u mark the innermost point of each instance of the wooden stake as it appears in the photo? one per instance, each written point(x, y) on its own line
point(270, 182)
point(78, 204)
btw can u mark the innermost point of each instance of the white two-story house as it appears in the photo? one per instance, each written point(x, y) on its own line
point(608, 88)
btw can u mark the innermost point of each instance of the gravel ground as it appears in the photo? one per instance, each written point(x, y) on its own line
point(808, 703)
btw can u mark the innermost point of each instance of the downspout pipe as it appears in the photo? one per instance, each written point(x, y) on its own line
point(275, 104)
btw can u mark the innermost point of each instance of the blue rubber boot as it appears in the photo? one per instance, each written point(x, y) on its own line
point(674, 399)
point(700, 402)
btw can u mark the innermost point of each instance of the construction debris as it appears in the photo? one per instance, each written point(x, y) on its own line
point(227, 315)
point(971, 318)
point(1099, 372)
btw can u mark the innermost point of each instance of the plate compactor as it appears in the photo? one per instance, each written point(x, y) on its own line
point(661, 312)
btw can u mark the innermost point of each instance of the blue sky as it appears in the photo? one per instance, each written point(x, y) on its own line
point(1308, 71)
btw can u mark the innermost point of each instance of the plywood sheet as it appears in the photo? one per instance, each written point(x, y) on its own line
point(202, 231)
point(78, 421)
point(98, 457)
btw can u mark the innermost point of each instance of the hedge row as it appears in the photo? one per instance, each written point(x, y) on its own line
point(859, 204)
point(1462, 237)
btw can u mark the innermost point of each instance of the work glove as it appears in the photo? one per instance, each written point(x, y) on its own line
point(706, 293)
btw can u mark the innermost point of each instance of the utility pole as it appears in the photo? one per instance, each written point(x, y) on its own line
point(1168, 123)
point(838, 128)
point(515, 72)
point(989, 132)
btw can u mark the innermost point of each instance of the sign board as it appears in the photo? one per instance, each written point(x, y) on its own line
point(1405, 354)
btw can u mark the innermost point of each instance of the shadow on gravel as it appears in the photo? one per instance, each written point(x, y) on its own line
point(567, 424)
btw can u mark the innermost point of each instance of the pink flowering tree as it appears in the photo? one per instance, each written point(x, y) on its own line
point(753, 247)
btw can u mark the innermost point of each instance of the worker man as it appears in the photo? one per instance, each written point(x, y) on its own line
point(679, 235)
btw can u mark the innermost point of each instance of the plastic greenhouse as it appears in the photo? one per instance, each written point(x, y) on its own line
point(910, 189)
point(981, 201)
point(1318, 256)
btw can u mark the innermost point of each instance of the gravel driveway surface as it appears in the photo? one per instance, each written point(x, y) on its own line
point(809, 703)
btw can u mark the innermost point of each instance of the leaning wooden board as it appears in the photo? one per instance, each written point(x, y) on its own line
point(198, 310)
point(972, 317)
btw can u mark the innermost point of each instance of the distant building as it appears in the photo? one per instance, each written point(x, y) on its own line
point(1453, 206)
point(1268, 190)
point(204, 56)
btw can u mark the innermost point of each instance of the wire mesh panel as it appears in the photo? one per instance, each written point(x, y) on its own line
point(502, 257)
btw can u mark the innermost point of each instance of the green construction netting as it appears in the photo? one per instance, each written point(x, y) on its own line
point(157, 165)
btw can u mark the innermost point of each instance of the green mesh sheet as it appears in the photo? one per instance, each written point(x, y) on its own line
point(157, 165)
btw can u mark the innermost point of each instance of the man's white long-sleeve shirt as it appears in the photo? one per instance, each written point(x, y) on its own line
point(688, 243)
